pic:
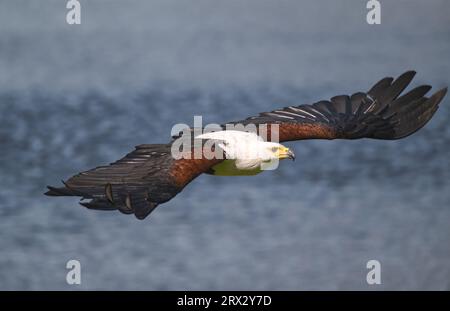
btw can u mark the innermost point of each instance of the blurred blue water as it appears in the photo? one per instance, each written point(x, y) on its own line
point(74, 97)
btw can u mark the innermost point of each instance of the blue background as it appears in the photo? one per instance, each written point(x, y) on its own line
point(76, 96)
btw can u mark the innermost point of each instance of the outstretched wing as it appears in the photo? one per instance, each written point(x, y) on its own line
point(380, 113)
point(135, 184)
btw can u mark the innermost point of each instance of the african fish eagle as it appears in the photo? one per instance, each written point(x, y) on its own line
point(150, 175)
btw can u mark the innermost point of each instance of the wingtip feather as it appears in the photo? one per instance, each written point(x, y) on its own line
point(439, 95)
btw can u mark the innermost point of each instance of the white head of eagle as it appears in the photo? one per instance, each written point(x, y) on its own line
point(246, 153)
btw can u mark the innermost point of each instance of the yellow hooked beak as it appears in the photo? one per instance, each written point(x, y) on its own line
point(285, 153)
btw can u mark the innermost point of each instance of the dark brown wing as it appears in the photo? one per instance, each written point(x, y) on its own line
point(380, 113)
point(135, 184)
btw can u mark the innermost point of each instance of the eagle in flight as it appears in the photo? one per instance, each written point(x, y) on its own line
point(151, 175)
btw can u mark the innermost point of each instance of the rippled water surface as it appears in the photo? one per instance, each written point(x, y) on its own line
point(74, 97)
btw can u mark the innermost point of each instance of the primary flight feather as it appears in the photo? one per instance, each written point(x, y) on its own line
point(150, 175)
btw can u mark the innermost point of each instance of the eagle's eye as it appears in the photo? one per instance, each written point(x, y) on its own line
point(274, 149)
